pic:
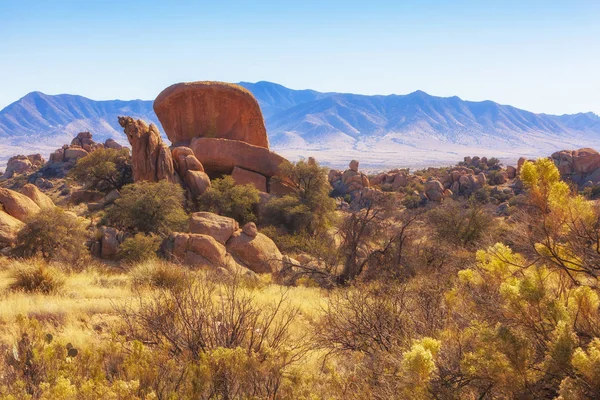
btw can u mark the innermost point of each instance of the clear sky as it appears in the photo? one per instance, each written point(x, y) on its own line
point(542, 56)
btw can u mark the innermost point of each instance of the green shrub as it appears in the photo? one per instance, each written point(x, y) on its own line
point(309, 207)
point(226, 198)
point(461, 224)
point(139, 248)
point(412, 201)
point(289, 212)
point(104, 170)
point(35, 276)
point(149, 207)
point(53, 234)
point(482, 195)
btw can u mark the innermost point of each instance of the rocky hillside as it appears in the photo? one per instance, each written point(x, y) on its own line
point(406, 130)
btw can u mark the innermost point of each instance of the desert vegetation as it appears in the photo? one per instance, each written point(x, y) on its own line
point(395, 297)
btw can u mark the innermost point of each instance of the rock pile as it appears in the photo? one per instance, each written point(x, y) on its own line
point(107, 245)
point(351, 182)
point(190, 170)
point(396, 179)
point(218, 242)
point(580, 166)
point(23, 165)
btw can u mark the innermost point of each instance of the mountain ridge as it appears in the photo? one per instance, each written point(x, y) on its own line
point(307, 122)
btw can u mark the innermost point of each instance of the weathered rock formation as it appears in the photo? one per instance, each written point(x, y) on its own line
point(190, 170)
point(219, 227)
point(217, 242)
point(254, 250)
point(65, 158)
point(38, 197)
point(107, 246)
point(580, 166)
point(9, 227)
point(151, 158)
point(350, 182)
point(212, 110)
point(223, 126)
point(23, 164)
point(18, 205)
point(221, 156)
point(243, 176)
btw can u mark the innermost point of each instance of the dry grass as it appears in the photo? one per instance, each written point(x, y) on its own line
point(84, 310)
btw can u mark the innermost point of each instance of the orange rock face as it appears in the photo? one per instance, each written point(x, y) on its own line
point(210, 110)
point(151, 158)
point(242, 176)
point(220, 156)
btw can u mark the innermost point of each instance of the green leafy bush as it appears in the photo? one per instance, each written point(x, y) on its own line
point(226, 198)
point(104, 170)
point(139, 248)
point(412, 201)
point(309, 207)
point(150, 208)
point(53, 234)
point(460, 224)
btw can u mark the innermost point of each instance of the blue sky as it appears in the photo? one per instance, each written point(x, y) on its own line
point(542, 56)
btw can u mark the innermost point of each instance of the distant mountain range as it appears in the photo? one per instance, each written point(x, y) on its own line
point(404, 130)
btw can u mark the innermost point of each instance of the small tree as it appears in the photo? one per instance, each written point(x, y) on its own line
point(226, 198)
point(54, 235)
point(149, 207)
point(309, 208)
point(460, 224)
point(104, 170)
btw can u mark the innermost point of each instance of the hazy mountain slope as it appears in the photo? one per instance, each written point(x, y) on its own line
point(46, 117)
point(395, 129)
point(274, 98)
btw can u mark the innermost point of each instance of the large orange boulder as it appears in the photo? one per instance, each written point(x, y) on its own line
point(221, 156)
point(38, 197)
point(219, 227)
point(18, 205)
point(586, 161)
point(9, 228)
point(211, 110)
point(255, 251)
point(242, 176)
point(151, 158)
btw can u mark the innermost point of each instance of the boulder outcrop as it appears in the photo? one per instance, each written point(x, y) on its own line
point(151, 158)
point(221, 156)
point(211, 110)
point(18, 205)
point(580, 166)
point(351, 182)
point(258, 253)
point(38, 197)
point(190, 170)
point(243, 176)
point(107, 245)
point(9, 228)
point(219, 227)
point(23, 164)
point(218, 242)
